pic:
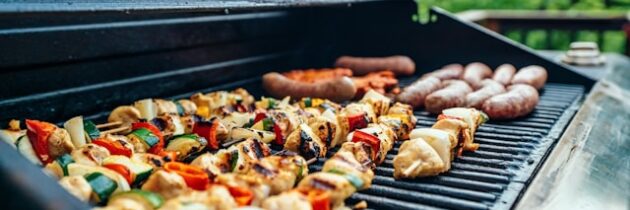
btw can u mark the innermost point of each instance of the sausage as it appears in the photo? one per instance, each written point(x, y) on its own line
point(533, 75)
point(452, 71)
point(490, 88)
point(338, 89)
point(415, 93)
point(400, 65)
point(452, 95)
point(475, 72)
point(519, 101)
point(504, 73)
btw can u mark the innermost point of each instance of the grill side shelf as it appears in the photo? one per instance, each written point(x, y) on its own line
point(494, 176)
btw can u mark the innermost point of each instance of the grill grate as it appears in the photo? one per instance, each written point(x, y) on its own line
point(491, 177)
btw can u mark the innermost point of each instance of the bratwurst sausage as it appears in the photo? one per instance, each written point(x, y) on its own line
point(519, 101)
point(452, 95)
point(337, 89)
point(400, 65)
point(504, 73)
point(475, 72)
point(533, 75)
point(452, 71)
point(415, 93)
point(490, 88)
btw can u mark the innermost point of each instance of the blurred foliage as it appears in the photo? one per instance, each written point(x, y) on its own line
point(612, 41)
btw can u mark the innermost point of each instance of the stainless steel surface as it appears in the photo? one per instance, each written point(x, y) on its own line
point(590, 166)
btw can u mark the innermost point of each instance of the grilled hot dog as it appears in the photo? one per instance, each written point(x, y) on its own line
point(400, 65)
point(415, 93)
point(475, 72)
point(338, 89)
point(452, 71)
point(533, 75)
point(518, 101)
point(452, 95)
point(504, 73)
point(490, 88)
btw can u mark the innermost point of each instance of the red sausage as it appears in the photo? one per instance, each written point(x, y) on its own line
point(452, 71)
point(490, 88)
point(504, 73)
point(400, 65)
point(519, 101)
point(475, 72)
point(415, 93)
point(452, 95)
point(536, 76)
point(338, 89)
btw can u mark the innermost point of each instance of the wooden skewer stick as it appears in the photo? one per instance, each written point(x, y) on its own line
point(311, 161)
point(115, 130)
point(109, 124)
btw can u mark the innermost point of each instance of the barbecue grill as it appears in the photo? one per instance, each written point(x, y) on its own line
point(86, 58)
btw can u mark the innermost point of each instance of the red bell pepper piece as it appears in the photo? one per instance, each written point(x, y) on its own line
point(38, 133)
point(357, 121)
point(260, 116)
point(242, 195)
point(319, 199)
point(157, 148)
point(122, 170)
point(114, 147)
point(194, 176)
point(208, 130)
point(279, 136)
point(373, 141)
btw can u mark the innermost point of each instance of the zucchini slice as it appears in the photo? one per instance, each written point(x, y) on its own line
point(186, 145)
point(75, 169)
point(102, 186)
point(140, 171)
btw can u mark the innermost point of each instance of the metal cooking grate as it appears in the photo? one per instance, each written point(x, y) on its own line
point(491, 177)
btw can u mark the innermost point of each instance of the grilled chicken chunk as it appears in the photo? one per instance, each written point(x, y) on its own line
point(345, 163)
point(400, 118)
point(287, 200)
point(385, 136)
point(214, 164)
point(416, 158)
point(441, 141)
point(361, 151)
point(247, 153)
point(324, 128)
point(380, 103)
point(286, 170)
point(337, 185)
point(304, 141)
point(90, 154)
point(77, 186)
point(215, 198)
point(59, 143)
point(260, 189)
point(473, 118)
point(168, 185)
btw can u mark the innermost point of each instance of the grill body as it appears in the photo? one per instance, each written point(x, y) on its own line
point(59, 63)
